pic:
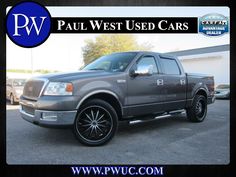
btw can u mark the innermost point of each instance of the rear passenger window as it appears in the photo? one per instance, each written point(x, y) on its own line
point(170, 66)
point(146, 61)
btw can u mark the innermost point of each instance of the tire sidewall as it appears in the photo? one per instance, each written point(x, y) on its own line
point(201, 98)
point(191, 112)
point(107, 107)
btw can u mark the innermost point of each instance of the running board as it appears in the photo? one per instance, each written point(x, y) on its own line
point(147, 120)
point(169, 114)
point(181, 111)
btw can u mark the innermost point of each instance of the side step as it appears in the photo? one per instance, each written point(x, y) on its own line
point(181, 111)
point(165, 115)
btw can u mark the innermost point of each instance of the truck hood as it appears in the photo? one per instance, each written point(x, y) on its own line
point(70, 76)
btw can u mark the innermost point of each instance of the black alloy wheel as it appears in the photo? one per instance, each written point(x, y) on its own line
point(197, 112)
point(96, 123)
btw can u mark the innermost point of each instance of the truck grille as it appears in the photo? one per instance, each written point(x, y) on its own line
point(28, 109)
point(33, 88)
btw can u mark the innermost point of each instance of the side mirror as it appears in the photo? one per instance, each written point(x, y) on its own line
point(143, 71)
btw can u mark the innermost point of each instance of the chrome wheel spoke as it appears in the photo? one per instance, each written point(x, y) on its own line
point(100, 129)
point(100, 117)
point(88, 117)
point(85, 125)
point(95, 130)
point(101, 125)
point(87, 129)
point(88, 121)
point(92, 114)
point(90, 133)
point(97, 115)
point(103, 121)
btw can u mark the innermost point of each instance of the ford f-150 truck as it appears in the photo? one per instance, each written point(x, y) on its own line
point(115, 87)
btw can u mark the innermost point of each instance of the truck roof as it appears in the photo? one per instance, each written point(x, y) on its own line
point(164, 55)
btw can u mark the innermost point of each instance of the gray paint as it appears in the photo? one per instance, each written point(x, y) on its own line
point(139, 95)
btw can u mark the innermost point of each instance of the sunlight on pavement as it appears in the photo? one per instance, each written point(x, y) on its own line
point(11, 107)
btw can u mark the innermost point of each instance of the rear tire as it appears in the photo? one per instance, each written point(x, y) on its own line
point(96, 123)
point(197, 112)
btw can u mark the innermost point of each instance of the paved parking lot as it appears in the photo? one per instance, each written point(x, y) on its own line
point(171, 140)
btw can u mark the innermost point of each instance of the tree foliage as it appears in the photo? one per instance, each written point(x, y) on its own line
point(106, 44)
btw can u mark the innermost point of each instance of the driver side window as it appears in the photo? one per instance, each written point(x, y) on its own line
point(146, 61)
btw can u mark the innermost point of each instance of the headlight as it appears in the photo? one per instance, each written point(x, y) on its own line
point(59, 88)
point(19, 92)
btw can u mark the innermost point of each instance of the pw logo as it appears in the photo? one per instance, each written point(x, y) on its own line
point(28, 24)
point(25, 25)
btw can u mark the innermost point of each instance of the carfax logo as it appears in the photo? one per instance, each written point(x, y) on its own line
point(213, 24)
point(28, 24)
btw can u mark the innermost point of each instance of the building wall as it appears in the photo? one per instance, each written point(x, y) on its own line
point(216, 64)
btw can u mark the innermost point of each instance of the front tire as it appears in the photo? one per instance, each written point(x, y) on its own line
point(96, 123)
point(197, 112)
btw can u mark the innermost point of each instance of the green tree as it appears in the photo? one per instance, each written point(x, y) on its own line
point(106, 44)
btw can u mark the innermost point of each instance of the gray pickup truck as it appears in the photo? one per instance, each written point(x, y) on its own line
point(115, 87)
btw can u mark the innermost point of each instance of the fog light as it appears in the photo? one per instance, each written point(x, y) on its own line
point(49, 116)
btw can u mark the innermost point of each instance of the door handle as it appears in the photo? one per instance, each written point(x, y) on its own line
point(160, 82)
point(182, 81)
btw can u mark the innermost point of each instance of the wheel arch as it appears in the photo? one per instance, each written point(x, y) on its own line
point(199, 91)
point(107, 96)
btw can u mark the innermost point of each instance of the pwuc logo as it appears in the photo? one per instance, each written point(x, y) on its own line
point(28, 24)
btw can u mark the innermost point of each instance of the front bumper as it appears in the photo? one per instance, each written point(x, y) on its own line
point(49, 111)
point(50, 118)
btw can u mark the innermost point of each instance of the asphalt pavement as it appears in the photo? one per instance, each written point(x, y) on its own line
point(172, 140)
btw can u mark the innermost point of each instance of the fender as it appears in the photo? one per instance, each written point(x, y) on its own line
point(190, 100)
point(198, 87)
point(96, 92)
point(203, 89)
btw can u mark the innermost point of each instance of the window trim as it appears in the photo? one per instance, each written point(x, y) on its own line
point(163, 68)
point(146, 55)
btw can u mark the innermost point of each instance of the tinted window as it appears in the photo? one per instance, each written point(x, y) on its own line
point(170, 66)
point(116, 62)
point(147, 61)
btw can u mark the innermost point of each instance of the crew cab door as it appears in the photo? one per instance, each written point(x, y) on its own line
point(144, 94)
point(174, 83)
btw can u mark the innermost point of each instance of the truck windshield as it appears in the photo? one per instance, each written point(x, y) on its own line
point(19, 82)
point(116, 62)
